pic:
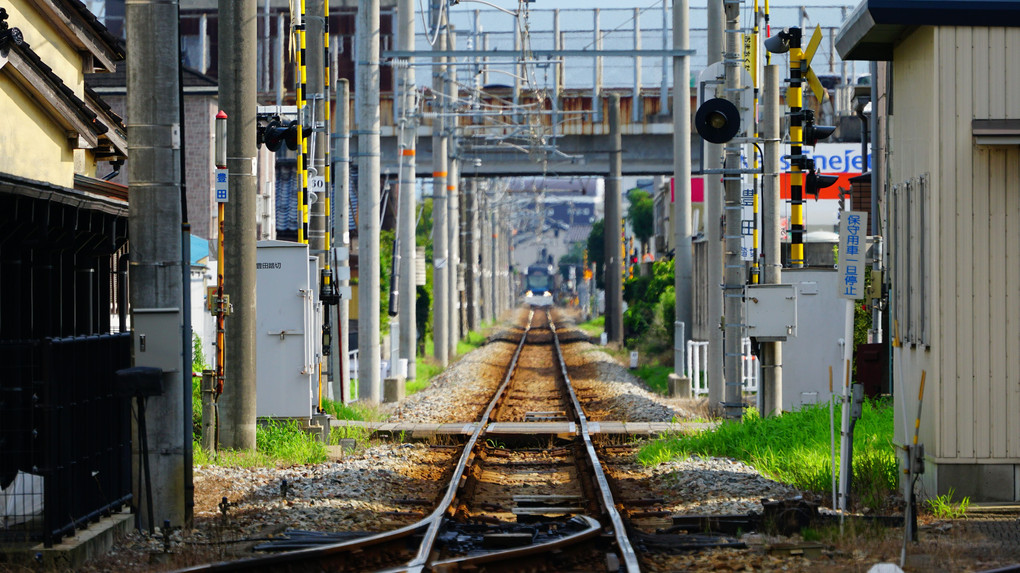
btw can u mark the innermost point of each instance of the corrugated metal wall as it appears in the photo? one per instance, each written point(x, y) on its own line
point(962, 296)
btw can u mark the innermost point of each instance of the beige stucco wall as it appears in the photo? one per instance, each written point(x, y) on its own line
point(32, 145)
point(38, 148)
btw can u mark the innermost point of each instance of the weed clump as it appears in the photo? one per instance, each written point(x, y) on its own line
point(794, 448)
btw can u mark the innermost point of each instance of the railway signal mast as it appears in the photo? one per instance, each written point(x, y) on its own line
point(803, 130)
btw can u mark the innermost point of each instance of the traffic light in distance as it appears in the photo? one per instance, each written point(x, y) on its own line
point(812, 132)
point(276, 134)
point(815, 182)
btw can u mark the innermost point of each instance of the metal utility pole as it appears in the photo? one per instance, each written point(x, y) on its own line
point(713, 231)
point(733, 289)
point(612, 228)
point(237, 41)
point(369, 375)
point(341, 230)
point(154, 220)
point(406, 214)
point(440, 232)
point(772, 352)
point(683, 261)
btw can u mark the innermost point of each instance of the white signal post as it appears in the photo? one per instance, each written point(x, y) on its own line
point(853, 227)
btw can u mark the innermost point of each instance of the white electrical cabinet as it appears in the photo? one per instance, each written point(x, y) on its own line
point(771, 311)
point(288, 330)
point(818, 344)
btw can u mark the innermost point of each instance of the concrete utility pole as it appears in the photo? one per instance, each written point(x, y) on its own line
point(471, 253)
point(453, 200)
point(772, 352)
point(154, 225)
point(440, 232)
point(369, 375)
point(613, 240)
point(316, 66)
point(735, 275)
point(237, 41)
point(683, 263)
point(493, 262)
point(408, 211)
point(341, 162)
point(453, 210)
point(713, 231)
point(453, 218)
point(485, 252)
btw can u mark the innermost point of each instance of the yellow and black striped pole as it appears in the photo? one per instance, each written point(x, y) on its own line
point(327, 165)
point(302, 156)
point(755, 267)
point(795, 97)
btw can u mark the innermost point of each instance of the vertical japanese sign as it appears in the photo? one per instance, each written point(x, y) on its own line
point(747, 222)
point(853, 226)
point(221, 185)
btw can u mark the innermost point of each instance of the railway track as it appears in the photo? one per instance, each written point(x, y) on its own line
point(520, 498)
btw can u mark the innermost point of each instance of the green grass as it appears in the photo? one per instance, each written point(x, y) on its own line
point(944, 508)
point(657, 377)
point(474, 340)
point(352, 411)
point(794, 449)
point(277, 444)
point(594, 327)
point(425, 370)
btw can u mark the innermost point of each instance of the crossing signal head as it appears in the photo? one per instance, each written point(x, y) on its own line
point(784, 40)
point(815, 182)
point(717, 120)
point(275, 134)
point(813, 133)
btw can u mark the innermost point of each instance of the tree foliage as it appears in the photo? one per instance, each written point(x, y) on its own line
point(650, 302)
point(641, 215)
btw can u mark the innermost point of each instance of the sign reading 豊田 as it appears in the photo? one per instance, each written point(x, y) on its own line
point(853, 227)
point(222, 186)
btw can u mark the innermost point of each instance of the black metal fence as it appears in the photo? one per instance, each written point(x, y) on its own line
point(65, 435)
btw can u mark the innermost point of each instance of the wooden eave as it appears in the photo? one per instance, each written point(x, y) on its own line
point(52, 95)
point(97, 53)
point(113, 143)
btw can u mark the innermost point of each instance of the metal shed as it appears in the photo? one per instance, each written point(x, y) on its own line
point(950, 194)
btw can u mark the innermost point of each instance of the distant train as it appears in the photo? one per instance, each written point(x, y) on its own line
point(540, 284)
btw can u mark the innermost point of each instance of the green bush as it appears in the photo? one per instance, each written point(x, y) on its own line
point(198, 364)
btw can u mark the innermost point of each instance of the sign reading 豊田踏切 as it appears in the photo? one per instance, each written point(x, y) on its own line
point(853, 228)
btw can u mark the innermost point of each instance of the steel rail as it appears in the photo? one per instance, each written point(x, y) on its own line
point(425, 549)
point(594, 529)
point(430, 526)
point(630, 560)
